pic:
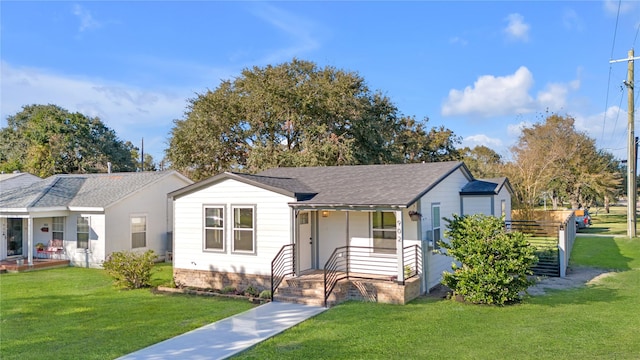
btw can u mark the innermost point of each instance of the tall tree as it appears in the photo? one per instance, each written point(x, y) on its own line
point(47, 139)
point(297, 114)
point(553, 157)
point(482, 161)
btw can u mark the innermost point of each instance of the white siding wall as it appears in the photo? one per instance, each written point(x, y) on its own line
point(332, 233)
point(360, 228)
point(447, 194)
point(40, 236)
point(503, 195)
point(150, 202)
point(94, 256)
point(478, 204)
point(273, 229)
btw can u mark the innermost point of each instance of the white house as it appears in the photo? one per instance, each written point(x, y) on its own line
point(88, 216)
point(375, 223)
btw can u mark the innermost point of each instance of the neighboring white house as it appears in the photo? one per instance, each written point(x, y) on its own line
point(228, 229)
point(92, 214)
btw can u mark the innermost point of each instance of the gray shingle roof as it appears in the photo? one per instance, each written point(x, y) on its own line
point(79, 190)
point(14, 180)
point(484, 186)
point(362, 185)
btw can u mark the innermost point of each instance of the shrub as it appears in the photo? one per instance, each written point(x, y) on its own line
point(265, 294)
point(251, 291)
point(131, 270)
point(494, 264)
point(228, 290)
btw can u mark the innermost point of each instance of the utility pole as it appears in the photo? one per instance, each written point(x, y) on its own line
point(631, 149)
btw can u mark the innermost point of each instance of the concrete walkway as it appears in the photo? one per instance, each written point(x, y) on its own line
point(229, 336)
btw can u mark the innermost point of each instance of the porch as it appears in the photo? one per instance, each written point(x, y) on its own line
point(350, 273)
point(21, 264)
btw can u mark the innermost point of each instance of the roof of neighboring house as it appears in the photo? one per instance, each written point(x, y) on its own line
point(358, 185)
point(80, 190)
point(486, 186)
point(17, 179)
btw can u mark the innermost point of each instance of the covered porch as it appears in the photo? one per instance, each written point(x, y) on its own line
point(370, 253)
point(22, 265)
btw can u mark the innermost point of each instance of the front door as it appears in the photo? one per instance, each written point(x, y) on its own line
point(305, 240)
point(14, 237)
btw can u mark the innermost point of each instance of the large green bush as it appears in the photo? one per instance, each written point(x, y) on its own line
point(494, 264)
point(130, 269)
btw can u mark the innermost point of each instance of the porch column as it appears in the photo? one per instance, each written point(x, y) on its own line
point(30, 240)
point(400, 246)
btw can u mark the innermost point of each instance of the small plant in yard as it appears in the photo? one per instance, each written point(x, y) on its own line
point(494, 263)
point(228, 290)
point(265, 294)
point(251, 291)
point(131, 270)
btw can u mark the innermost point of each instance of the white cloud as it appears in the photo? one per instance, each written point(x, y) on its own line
point(492, 96)
point(608, 128)
point(611, 6)
point(300, 30)
point(481, 139)
point(87, 22)
point(517, 29)
point(514, 130)
point(132, 112)
point(572, 20)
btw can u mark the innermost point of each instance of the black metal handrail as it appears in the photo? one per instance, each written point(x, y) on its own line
point(412, 261)
point(282, 265)
point(361, 262)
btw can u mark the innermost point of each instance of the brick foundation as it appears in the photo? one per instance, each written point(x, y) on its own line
point(219, 280)
point(376, 291)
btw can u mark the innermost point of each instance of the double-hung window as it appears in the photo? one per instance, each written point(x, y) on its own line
point(214, 228)
point(138, 232)
point(384, 232)
point(243, 234)
point(57, 228)
point(435, 224)
point(82, 232)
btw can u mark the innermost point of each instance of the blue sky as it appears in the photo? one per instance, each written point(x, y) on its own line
point(482, 69)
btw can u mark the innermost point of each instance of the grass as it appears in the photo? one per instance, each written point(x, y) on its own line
point(598, 321)
point(614, 223)
point(75, 313)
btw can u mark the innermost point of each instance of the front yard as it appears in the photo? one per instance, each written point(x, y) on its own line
point(599, 321)
point(75, 313)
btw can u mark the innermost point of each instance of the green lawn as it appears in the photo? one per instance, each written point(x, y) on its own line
point(596, 322)
point(75, 313)
point(614, 223)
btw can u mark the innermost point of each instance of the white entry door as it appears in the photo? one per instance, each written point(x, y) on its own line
point(305, 241)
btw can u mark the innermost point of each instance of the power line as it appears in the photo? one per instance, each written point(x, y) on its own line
point(606, 102)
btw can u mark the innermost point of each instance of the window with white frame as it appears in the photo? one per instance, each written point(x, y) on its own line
point(138, 231)
point(243, 229)
point(82, 232)
point(435, 224)
point(383, 226)
point(503, 207)
point(57, 228)
point(214, 228)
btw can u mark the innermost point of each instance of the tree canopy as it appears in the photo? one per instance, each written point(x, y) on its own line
point(47, 139)
point(298, 114)
point(553, 157)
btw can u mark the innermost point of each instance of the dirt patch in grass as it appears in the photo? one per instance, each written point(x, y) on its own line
point(576, 277)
